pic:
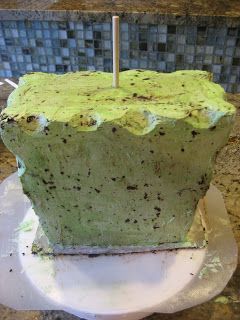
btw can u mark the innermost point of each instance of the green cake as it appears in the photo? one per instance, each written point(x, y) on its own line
point(116, 167)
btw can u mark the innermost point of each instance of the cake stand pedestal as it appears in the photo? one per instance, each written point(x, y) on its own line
point(129, 286)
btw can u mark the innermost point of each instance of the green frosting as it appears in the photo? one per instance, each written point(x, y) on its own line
point(116, 167)
point(86, 100)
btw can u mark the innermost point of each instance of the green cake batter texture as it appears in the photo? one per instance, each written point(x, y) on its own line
point(116, 167)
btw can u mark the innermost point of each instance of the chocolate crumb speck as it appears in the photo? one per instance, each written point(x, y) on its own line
point(194, 133)
point(133, 187)
point(30, 118)
point(212, 128)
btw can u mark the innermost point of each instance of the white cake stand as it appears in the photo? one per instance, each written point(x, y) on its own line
point(129, 286)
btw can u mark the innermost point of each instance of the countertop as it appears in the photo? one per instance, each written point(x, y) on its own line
point(137, 10)
point(226, 178)
point(177, 7)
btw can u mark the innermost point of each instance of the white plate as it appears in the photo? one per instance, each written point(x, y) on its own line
point(128, 286)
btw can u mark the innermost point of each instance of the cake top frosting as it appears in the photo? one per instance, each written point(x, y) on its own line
point(87, 99)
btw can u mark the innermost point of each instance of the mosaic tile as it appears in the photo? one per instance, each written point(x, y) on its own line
point(8, 73)
point(50, 60)
point(171, 46)
point(162, 29)
point(39, 34)
point(180, 48)
point(79, 26)
point(227, 62)
point(170, 57)
point(71, 25)
point(45, 24)
point(216, 69)
point(62, 34)
point(152, 64)
point(181, 39)
point(46, 34)
point(162, 38)
point(189, 58)
point(107, 26)
point(153, 28)
point(106, 35)
point(207, 59)
point(60, 46)
point(229, 51)
point(218, 51)
point(236, 61)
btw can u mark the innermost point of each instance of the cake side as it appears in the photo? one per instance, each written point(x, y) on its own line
point(117, 188)
point(133, 178)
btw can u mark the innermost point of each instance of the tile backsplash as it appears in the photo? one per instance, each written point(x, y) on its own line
point(60, 46)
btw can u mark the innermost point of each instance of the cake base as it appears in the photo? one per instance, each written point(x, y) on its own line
point(110, 287)
point(196, 238)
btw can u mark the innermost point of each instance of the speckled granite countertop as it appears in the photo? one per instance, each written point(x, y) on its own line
point(152, 11)
point(227, 179)
point(178, 7)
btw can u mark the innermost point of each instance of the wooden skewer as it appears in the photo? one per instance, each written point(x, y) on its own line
point(115, 34)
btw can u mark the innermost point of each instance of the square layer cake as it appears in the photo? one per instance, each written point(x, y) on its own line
point(116, 168)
